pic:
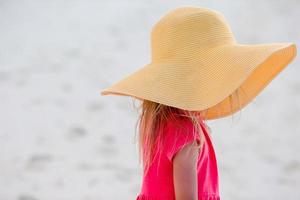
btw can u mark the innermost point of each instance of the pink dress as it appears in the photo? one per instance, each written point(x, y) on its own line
point(158, 184)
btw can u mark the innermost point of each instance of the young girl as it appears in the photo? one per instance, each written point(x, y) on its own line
point(197, 72)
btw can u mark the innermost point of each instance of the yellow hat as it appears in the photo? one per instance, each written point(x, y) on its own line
point(196, 63)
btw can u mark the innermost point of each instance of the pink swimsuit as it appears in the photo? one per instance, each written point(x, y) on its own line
point(158, 182)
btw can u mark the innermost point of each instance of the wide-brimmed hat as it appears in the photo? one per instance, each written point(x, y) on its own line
point(196, 64)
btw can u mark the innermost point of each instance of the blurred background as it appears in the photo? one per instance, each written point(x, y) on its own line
point(59, 139)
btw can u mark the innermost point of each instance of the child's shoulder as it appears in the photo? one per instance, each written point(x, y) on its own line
point(179, 133)
point(179, 128)
point(179, 124)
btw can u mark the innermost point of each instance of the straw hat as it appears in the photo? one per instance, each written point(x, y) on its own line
point(196, 63)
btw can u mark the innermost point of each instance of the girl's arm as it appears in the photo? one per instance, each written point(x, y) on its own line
point(185, 172)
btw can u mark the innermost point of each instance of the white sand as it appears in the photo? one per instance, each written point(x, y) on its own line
point(59, 139)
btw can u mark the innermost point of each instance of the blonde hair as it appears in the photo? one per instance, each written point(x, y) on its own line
point(151, 122)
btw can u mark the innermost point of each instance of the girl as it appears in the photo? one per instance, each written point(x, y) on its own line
point(174, 169)
point(198, 72)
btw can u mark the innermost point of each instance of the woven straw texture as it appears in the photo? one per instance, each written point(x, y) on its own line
point(196, 63)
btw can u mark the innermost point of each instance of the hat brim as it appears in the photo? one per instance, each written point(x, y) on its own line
point(205, 82)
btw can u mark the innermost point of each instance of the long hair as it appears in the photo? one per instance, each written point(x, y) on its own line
point(152, 119)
